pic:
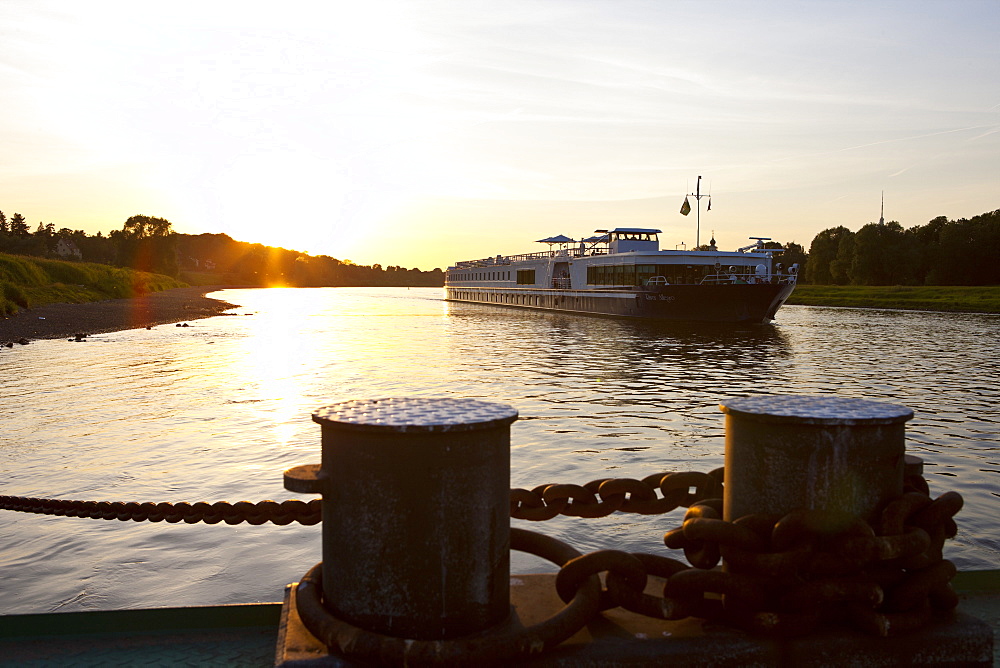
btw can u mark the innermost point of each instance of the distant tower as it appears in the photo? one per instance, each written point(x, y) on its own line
point(881, 216)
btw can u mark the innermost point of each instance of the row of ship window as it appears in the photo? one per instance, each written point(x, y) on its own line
point(639, 274)
point(481, 276)
point(611, 274)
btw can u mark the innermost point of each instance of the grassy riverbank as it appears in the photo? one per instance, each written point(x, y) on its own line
point(27, 282)
point(961, 298)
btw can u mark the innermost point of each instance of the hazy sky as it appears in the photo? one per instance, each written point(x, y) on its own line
point(420, 133)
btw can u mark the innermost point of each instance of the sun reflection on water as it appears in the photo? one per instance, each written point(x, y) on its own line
point(275, 355)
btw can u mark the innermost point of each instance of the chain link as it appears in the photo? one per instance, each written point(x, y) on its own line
point(597, 498)
point(286, 512)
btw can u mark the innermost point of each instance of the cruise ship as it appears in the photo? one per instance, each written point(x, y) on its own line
point(622, 272)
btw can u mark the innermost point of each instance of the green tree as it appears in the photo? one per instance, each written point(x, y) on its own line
point(966, 252)
point(840, 266)
point(880, 253)
point(986, 237)
point(97, 248)
point(19, 226)
point(148, 244)
point(143, 227)
point(44, 231)
point(822, 253)
point(954, 248)
point(926, 241)
point(3, 223)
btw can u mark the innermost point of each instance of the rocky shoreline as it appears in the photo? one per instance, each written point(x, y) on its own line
point(56, 321)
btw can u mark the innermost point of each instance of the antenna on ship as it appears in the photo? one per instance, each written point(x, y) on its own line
point(686, 209)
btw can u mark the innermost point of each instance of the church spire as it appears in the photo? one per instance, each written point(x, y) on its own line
point(881, 216)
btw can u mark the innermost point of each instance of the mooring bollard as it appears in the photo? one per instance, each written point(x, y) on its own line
point(807, 452)
point(416, 514)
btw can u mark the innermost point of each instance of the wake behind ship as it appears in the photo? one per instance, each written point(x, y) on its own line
point(623, 272)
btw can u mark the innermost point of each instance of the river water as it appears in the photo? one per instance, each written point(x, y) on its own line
point(216, 411)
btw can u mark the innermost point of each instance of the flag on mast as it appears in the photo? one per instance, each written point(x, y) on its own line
point(709, 203)
point(685, 207)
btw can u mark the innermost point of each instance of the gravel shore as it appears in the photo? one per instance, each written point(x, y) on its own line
point(56, 321)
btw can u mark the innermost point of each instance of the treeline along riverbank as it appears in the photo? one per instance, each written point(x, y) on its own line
point(150, 244)
point(942, 252)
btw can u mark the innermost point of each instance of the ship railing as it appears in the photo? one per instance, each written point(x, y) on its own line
point(562, 283)
point(488, 262)
point(733, 279)
point(544, 255)
point(539, 255)
point(723, 279)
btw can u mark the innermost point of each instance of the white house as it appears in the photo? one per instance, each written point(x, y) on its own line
point(66, 248)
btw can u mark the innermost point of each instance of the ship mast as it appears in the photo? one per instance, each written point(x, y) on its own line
point(697, 196)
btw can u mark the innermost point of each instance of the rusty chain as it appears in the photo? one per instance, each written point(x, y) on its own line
point(499, 645)
point(282, 513)
point(595, 499)
point(787, 575)
point(600, 498)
